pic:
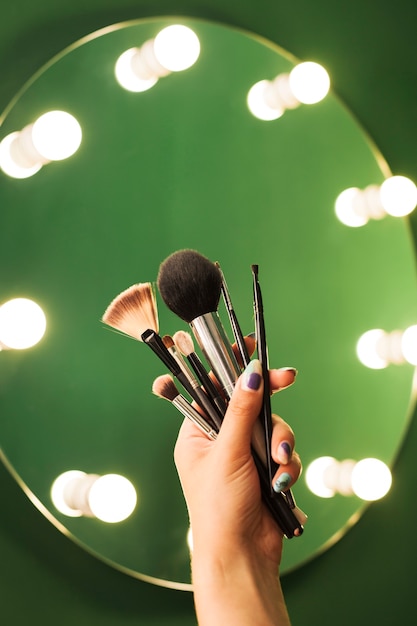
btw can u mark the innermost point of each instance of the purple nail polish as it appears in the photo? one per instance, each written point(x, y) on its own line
point(252, 376)
point(284, 452)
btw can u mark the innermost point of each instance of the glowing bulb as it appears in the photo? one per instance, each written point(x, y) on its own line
point(257, 103)
point(309, 82)
point(58, 489)
point(176, 47)
point(9, 165)
point(126, 75)
point(409, 344)
point(56, 135)
point(370, 349)
point(315, 476)
point(22, 324)
point(112, 498)
point(398, 195)
point(349, 209)
point(371, 479)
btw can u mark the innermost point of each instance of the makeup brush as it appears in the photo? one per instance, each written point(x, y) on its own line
point(237, 332)
point(133, 312)
point(204, 399)
point(185, 345)
point(263, 359)
point(164, 387)
point(190, 285)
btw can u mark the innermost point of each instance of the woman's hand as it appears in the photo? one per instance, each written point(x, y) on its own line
point(236, 543)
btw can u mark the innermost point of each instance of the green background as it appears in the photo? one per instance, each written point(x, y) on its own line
point(368, 50)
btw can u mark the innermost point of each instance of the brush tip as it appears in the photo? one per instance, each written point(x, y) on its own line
point(164, 387)
point(133, 311)
point(184, 342)
point(190, 284)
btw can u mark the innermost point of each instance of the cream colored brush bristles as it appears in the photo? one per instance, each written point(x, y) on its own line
point(133, 311)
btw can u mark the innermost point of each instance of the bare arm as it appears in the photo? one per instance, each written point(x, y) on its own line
point(237, 545)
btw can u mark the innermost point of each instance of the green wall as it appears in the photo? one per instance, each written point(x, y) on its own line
point(369, 50)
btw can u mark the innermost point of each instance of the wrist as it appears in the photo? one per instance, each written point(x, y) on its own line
point(240, 583)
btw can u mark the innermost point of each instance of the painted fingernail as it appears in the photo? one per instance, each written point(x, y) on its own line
point(282, 482)
point(284, 453)
point(252, 336)
point(252, 376)
point(294, 370)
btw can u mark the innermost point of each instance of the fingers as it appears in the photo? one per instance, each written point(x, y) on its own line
point(243, 409)
point(282, 378)
point(282, 449)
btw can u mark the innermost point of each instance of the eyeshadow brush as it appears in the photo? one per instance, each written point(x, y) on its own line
point(185, 345)
point(164, 387)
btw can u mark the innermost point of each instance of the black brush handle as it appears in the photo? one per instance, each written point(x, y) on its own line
point(278, 504)
point(207, 383)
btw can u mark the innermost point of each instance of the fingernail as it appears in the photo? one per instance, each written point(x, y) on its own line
point(284, 453)
point(294, 370)
point(252, 336)
point(252, 376)
point(282, 482)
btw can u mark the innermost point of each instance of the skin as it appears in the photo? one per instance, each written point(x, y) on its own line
point(237, 546)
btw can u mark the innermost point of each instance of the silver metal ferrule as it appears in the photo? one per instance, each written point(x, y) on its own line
point(212, 340)
point(188, 411)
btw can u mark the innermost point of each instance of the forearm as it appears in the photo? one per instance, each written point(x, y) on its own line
point(238, 590)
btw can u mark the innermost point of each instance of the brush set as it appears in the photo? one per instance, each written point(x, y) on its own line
point(191, 286)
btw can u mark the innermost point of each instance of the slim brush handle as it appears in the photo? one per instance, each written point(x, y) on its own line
point(207, 383)
point(266, 414)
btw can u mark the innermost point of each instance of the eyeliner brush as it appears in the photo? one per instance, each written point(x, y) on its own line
point(263, 359)
point(164, 387)
point(185, 345)
point(237, 332)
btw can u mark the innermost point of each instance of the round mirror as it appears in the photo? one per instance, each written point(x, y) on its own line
point(185, 164)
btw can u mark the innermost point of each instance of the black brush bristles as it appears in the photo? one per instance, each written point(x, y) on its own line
point(190, 284)
point(133, 311)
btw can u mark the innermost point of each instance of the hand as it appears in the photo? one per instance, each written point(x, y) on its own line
point(219, 478)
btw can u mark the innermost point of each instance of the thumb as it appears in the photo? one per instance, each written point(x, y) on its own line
point(243, 408)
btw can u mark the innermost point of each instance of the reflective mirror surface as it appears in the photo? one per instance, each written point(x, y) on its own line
point(183, 165)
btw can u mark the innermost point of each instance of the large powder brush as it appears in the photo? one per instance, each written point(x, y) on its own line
point(190, 285)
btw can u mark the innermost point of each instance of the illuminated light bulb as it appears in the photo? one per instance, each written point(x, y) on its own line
point(59, 492)
point(350, 208)
point(398, 196)
point(12, 166)
point(176, 47)
point(409, 344)
point(131, 75)
point(309, 82)
point(22, 324)
point(258, 105)
point(371, 349)
point(56, 135)
point(371, 479)
point(112, 498)
point(315, 476)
